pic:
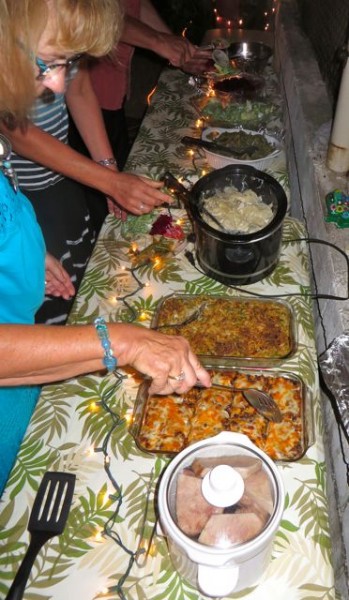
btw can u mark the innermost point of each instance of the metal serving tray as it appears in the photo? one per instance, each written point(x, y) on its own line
point(167, 424)
point(223, 334)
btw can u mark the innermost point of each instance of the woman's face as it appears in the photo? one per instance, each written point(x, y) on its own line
point(51, 64)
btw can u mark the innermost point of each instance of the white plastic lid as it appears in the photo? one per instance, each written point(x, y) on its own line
point(222, 486)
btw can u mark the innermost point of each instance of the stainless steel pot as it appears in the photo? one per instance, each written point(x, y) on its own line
point(237, 259)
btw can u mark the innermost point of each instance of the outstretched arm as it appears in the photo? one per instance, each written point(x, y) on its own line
point(152, 33)
point(32, 354)
point(135, 194)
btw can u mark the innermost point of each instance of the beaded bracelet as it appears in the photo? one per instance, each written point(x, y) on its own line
point(109, 359)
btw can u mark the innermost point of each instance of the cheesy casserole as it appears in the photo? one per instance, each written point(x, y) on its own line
point(229, 327)
point(170, 423)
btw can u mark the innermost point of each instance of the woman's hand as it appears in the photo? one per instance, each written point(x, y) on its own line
point(114, 209)
point(176, 49)
point(137, 194)
point(199, 62)
point(167, 360)
point(57, 280)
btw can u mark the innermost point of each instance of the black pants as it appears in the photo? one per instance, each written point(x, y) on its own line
point(116, 127)
point(63, 215)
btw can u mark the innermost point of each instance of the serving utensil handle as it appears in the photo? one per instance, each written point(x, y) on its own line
point(19, 583)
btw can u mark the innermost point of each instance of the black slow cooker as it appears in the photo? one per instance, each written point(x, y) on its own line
point(238, 259)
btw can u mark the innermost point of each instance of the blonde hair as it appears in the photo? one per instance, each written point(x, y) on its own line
point(79, 26)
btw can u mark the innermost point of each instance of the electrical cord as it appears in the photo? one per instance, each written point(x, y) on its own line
point(191, 259)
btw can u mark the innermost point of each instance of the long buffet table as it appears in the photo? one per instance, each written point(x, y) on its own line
point(110, 548)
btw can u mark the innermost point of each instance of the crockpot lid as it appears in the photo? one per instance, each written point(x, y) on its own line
point(222, 494)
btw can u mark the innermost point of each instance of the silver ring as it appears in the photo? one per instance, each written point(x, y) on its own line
point(141, 206)
point(179, 377)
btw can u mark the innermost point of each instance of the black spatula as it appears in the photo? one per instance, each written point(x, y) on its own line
point(47, 519)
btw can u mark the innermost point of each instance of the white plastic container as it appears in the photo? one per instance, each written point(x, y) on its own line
point(223, 565)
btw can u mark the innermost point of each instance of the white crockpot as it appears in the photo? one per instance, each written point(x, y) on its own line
point(213, 559)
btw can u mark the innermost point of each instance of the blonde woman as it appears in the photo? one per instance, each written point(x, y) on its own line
point(51, 173)
point(34, 354)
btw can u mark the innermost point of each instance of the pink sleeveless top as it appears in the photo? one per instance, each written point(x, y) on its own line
point(110, 79)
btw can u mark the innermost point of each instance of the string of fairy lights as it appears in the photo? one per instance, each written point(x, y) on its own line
point(155, 261)
point(110, 530)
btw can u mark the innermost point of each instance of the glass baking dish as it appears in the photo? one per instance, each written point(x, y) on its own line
point(246, 329)
point(168, 424)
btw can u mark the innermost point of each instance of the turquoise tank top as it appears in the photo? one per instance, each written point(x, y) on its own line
point(22, 284)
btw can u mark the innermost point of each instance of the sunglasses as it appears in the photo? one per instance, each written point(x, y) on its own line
point(46, 70)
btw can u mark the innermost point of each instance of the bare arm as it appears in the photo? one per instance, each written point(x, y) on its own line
point(176, 49)
point(86, 113)
point(150, 16)
point(32, 354)
point(136, 194)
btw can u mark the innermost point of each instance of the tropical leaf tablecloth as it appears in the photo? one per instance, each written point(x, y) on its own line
point(82, 425)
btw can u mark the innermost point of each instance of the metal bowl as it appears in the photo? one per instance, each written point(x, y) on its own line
point(251, 57)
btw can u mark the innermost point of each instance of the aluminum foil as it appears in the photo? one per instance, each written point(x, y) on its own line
point(334, 365)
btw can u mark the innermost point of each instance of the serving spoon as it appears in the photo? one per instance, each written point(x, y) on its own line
point(192, 317)
point(261, 401)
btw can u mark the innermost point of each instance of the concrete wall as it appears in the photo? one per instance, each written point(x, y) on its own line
point(308, 124)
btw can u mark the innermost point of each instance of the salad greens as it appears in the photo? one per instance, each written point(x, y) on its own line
point(249, 113)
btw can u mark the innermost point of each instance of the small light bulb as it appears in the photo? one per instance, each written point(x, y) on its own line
point(128, 416)
point(98, 537)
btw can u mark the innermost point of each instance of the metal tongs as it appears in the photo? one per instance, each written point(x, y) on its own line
point(216, 147)
point(261, 401)
point(171, 182)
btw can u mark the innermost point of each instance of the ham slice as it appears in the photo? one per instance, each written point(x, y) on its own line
point(248, 504)
point(227, 529)
point(245, 465)
point(192, 510)
point(258, 488)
